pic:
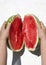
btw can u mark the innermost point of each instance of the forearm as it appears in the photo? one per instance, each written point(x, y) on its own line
point(3, 52)
point(43, 51)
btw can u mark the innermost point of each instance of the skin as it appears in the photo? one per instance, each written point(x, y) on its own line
point(3, 47)
point(42, 35)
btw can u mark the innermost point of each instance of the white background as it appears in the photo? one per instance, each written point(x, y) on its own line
point(11, 7)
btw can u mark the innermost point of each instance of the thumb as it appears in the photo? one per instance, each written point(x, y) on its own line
point(8, 27)
point(38, 26)
point(3, 26)
point(42, 25)
point(45, 30)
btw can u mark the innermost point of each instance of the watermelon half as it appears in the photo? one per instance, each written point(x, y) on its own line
point(23, 34)
point(30, 34)
point(15, 39)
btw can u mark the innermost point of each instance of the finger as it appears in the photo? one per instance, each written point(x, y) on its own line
point(3, 26)
point(38, 26)
point(45, 30)
point(39, 29)
point(8, 27)
point(42, 25)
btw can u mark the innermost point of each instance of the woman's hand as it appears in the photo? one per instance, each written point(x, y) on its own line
point(41, 30)
point(3, 48)
point(4, 32)
point(42, 35)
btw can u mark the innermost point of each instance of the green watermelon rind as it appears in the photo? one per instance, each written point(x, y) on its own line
point(11, 19)
point(8, 41)
point(37, 49)
point(7, 22)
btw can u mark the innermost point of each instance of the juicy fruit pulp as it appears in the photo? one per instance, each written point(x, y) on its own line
point(30, 32)
point(24, 34)
point(15, 34)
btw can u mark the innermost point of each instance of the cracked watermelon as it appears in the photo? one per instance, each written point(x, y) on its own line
point(30, 34)
point(15, 39)
point(24, 34)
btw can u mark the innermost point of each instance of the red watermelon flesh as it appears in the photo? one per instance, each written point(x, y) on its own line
point(15, 34)
point(30, 32)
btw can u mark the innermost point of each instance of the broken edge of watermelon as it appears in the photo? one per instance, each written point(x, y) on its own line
point(7, 23)
point(8, 41)
point(11, 19)
point(33, 49)
point(37, 49)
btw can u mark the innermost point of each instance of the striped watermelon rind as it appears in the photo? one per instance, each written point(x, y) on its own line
point(10, 20)
point(37, 48)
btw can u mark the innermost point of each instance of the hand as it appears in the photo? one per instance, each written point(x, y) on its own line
point(4, 32)
point(41, 30)
point(3, 47)
point(42, 35)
